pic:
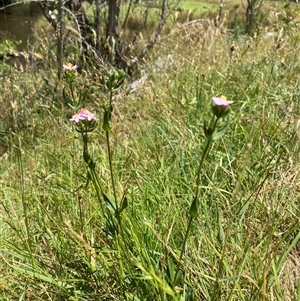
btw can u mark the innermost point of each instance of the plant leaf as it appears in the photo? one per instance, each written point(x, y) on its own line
point(109, 204)
point(217, 135)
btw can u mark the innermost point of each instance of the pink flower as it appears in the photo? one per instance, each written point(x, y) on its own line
point(221, 102)
point(221, 106)
point(88, 115)
point(70, 67)
point(77, 118)
point(83, 114)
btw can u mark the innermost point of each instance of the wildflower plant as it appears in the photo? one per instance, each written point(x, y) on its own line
point(85, 122)
point(71, 98)
point(112, 81)
point(70, 72)
point(215, 130)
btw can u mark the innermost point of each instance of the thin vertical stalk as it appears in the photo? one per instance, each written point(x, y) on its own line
point(59, 35)
point(97, 186)
point(127, 14)
point(205, 152)
point(110, 155)
point(196, 199)
point(24, 205)
point(91, 169)
point(111, 169)
point(98, 26)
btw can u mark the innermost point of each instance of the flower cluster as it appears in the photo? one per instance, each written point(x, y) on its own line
point(83, 114)
point(70, 72)
point(84, 120)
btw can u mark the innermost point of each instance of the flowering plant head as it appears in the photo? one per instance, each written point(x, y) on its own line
point(220, 106)
point(113, 79)
point(84, 120)
point(70, 67)
point(70, 72)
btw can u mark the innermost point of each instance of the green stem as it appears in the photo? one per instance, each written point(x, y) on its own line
point(22, 188)
point(204, 154)
point(114, 192)
point(122, 246)
point(109, 154)
point(111, 169)
point(72, 95)
point(185, 239)
point(91, 168)
point(98, 187)
point(196, 199)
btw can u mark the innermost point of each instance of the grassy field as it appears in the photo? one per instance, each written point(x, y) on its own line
point(155, 208)
point(199, 7)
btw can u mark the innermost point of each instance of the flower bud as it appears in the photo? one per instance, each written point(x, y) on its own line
point(220, 106)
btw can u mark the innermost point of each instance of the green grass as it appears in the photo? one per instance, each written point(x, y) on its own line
point(244, 243)
point(199, 7)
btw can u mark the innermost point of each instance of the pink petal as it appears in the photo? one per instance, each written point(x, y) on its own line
point(76, 118)
point(71, 68)
point(222, 102)
point(83, 114)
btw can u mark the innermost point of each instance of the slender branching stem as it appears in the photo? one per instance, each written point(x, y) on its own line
point(110, 155)
point(91, 169)
point(72, 94)
point(204, 154)
point(97, 186)
point(111, 169)
point(196, 199)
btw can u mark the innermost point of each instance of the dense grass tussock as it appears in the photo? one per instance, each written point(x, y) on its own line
point(58, 241)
